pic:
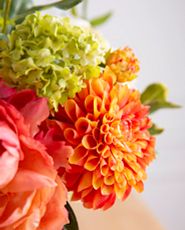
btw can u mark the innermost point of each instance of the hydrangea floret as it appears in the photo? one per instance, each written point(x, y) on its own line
point(52, 56)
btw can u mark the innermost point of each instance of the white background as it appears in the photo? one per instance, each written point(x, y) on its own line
point(155, 29)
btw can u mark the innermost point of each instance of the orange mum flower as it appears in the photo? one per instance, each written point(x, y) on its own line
point(107, 126)
point(124, 64)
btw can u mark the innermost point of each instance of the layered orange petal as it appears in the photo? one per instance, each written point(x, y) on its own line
point(111, 142)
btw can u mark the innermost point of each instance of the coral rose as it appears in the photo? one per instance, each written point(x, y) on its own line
point(31, 194)
point(107, 127)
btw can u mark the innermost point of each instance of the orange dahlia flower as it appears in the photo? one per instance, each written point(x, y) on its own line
point(107, 126)
point(124, 64)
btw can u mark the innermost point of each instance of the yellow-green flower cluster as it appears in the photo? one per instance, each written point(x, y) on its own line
point(51, 56)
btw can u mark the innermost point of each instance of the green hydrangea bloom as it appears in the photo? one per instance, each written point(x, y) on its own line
point(51, 56)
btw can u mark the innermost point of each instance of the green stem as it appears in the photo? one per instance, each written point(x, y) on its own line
point(1, 4)
point(73, 225)
point(84, 9)
point(6, 15)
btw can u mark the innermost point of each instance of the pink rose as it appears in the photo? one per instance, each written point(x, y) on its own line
point(50, 134)
point(31, 194)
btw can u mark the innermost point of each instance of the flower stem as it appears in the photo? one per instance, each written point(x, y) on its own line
point(6, 15)
point(1, 4)
point(73, 225)
point(84, 9)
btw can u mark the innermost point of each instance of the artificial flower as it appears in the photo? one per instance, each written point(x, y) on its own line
point(124, 64)
point(51, 56)
point(107, 127)
point(31, 194)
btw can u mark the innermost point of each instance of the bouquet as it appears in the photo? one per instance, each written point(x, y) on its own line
point(71, 126)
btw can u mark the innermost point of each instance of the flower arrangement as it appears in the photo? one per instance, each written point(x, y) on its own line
point(69, 121)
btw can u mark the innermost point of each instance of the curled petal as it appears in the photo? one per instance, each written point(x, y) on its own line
point(92, 163)
point(89, 142)
point(72, 110)
point(89, 103)
point(106, 189)
point(109, 77)
point(85, 182)
point(104, 169)
point(120, 166)
point(106, 153)
point(120, 191)
point(83, 125)
point(98, 107)
point(71, 135)
point(96, 133)
point(101, 147)
point(109, 180)
point(98, 87)
point(105, 128)
point(129, 176)
point(79, 155)
point(97, 180)
point(120, 178)
point(108, 138)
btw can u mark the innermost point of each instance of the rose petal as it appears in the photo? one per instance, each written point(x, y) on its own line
point(26, 180)
point(56, 215)
point(8, 167)
point(13, 211)
point(34, 113)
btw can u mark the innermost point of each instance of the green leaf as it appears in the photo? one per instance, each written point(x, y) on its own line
point(155, 95)
point(19, 7)
point(64, 5)
point(74, 12)
point(154, 106)
point(73, 225)
point(155, 130)
point(154, 92)
point(101, 19)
